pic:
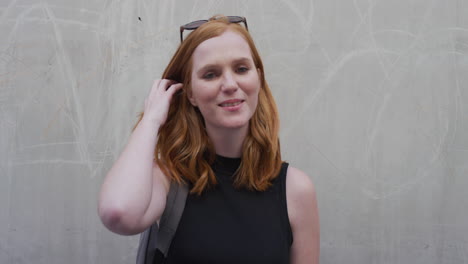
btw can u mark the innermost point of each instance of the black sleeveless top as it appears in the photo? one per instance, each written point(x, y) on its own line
point(226, 225)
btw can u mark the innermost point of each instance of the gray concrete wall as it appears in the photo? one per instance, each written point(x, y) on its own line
point(373, 98)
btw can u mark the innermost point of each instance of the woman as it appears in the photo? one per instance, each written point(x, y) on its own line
point(211, 122)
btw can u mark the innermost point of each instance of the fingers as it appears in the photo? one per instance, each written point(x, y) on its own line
point(165, 84)
point(163, 89)
point(159, 99)
point(174, 88)
point(161, 85)
point(154, 88)
point(159, 88)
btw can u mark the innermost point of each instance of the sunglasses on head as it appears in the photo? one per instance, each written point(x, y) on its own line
point(196, 24)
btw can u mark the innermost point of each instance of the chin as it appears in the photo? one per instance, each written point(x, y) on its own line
point(236, 124)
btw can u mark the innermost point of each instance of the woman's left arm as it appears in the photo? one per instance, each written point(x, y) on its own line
point(303, 217)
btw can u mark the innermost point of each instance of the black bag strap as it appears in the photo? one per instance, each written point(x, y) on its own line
point(150, 246)
point(170, 218)
point(143, 245)
point(155, 241)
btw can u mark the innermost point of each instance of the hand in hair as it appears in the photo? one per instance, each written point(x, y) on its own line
point(133, 194)
point(158, 101)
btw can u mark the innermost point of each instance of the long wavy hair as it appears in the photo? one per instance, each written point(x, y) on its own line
point(185, 153)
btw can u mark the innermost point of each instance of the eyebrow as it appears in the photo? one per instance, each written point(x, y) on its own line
point(214, 65)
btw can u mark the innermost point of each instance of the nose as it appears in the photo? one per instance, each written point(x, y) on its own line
point(229, 83)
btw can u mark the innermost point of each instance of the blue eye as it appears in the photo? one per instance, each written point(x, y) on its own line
point(242, 69)
point(209, 75)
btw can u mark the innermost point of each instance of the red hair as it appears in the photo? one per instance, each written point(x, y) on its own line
point(184, 152)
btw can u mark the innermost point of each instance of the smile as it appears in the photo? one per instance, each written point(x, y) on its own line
point(231, 103)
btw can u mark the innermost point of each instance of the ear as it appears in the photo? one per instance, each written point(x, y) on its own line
point(191, 98)
point(259, 73)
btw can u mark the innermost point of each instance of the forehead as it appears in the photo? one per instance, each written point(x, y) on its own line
point(227, 46)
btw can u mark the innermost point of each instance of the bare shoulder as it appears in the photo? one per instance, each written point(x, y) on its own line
point(300, 194)
point(303, 217)
point(299, 185)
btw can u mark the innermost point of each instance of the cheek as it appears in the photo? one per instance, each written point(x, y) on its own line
point(253, 92)
point(253, 87)
point(255, 100)
point(257, 93)
point(202, 94)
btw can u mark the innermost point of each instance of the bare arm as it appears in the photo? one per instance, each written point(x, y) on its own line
point(303, 217)
point(133, 194)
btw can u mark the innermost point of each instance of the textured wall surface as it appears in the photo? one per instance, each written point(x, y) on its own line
point(373, 99)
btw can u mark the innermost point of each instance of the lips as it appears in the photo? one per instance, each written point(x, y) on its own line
point(230, 103)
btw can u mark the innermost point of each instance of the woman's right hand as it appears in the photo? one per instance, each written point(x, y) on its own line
point(133, 194)
point(159, 99)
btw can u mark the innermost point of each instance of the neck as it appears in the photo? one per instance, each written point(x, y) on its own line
point(228, 141)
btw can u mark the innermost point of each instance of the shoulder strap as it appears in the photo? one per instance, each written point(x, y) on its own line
point(175, 205)
point(143, 245)
point(155, 241)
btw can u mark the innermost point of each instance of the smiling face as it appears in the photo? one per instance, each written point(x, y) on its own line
point(224, 82)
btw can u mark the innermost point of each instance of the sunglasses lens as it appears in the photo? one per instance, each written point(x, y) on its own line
point(235, 19)
point(195, 24)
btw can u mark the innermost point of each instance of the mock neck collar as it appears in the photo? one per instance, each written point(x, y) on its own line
point(227, 164)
